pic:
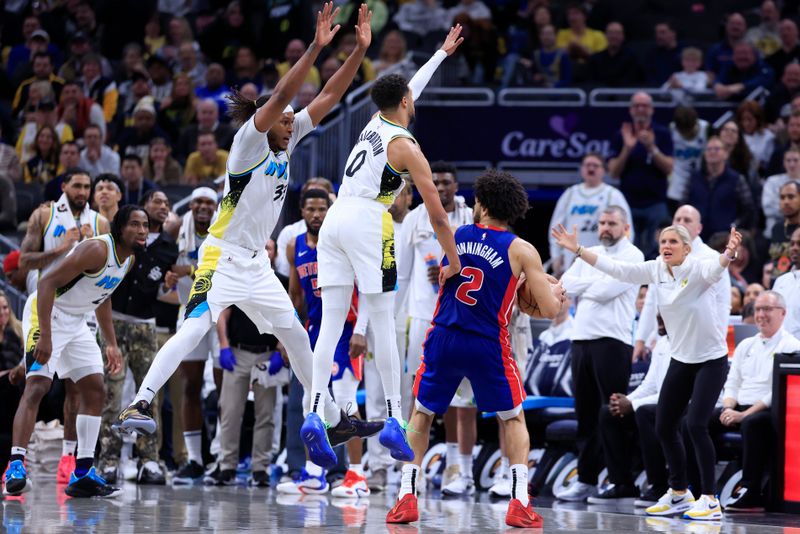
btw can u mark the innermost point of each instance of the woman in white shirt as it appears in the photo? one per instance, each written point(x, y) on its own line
point(760, 140)
point(698, 365)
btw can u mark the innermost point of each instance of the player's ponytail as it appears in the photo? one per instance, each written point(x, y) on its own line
point(241, 108)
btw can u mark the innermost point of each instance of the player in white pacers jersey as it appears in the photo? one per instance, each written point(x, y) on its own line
point(234, 268)
point(58, 341)
point(356, 241)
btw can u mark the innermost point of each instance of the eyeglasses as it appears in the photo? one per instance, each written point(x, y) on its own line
point(767, 309)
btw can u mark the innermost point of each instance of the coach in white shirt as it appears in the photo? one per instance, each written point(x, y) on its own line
point(747, 397)
point(788, 285)
point(601, 341)
point(688, 217)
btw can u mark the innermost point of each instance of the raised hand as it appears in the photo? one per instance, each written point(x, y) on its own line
point(564, 238)
point(453, 40)
point(734, 241)
point(325, 18)
point(364, 27)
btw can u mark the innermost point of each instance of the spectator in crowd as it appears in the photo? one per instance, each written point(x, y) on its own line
point(624, 416)
point(22, 67)
point(642, 160)
point(717, 184)
point(349, 14)
point(601, 350)
point(96, 157)
point(736, 300)
point(305, 95)
point(793, 139)
point(421, 19)
point(751, 293)
point(328, 69)
point(740, 159)
point(366, 72)
point(160, 167)
point(160, 78)
point(760, 140)
point(43, 166)
point(788, 285)
point(720, 54)
point(207, 121)
point(9, 161)
point(294, 51)
point(207, 163)
point(778, 102)
point(132, 61)
point(137, 186)
point(134, 304)
point(99, 88)
point(215, 87)
point(747, 398)
point(393, 51)
point(480, 39)
point(766, 37)
point(220, 39)
point(664, 58)
point(789, 50)
point(45, 115)
point(246, 68)
point(779, 241)
point(179, 31)
point(178, 111)
point(548, 66)
point(80, 112)
point(689, 136)
point(189, 63)
point(616, 66)
point(581, 205)
point(770, 195)
point(42, 71)
point(578, 39)
point(139, 89)
point(35, 39)
point(691, 78)
point(80, 49)
point(136, 139)
point(745, 73)
point(746, 267)
point(11, 352)
point(154, 37)
point(107, 194)
point(8, 204)
point(23, 280)
point(69, 156)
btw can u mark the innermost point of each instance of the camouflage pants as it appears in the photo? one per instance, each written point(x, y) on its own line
point(138, 343)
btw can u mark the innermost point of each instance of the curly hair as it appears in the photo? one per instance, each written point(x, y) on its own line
point(388, 91)
point(501, 195)
point(121, 219)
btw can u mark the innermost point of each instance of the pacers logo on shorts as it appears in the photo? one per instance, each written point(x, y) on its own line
point(202, 284)
point(197, 304)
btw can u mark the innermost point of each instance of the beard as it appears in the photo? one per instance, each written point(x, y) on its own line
point(76, 205)
point(609, 241)
point(313, 231)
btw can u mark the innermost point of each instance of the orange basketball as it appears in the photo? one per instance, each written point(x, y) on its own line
point(526, 301)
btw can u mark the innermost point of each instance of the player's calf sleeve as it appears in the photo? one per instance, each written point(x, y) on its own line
point(88, 428)
point(171, 354)
point(380, 308)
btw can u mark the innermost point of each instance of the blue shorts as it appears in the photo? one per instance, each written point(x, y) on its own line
point(341, 356)
point(450, 355)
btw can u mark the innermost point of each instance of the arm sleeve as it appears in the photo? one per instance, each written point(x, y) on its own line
point(647, 319)
point(575, 280)
point(424, 74)
point(633, 273)
point(711, 270)
point(723, 299)
point(606, 289)
point(302, 126)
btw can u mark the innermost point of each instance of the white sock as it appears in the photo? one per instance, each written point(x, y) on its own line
point(519, 483)
point(466, 465)
point(394, 408)
point(408, 482)
point(451, 455)
point(88, 429)
point(171, 355)
point(194, 445)
point(504, 466)
point(357, 469)
point(68, 447)
point(313, 469)
point(19, 450)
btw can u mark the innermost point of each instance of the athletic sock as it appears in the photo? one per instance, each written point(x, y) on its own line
point(194, 445)
point(466, 464)
point(451, 455)
point(313, 469)
point(18, 453)
point(68, 447)
point(394, 408)
point(408, 482)
point(357, 469)
point(519, 483)
point(88, 429)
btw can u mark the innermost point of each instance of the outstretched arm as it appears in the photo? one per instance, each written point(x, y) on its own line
point(424, 74)
point(288, 86)
point(335, 88)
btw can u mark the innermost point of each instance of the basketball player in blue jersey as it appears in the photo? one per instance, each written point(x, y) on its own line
point(302, 255)
point(234, 268)
point(58, 341)
point(357, 242)
point(470, 338)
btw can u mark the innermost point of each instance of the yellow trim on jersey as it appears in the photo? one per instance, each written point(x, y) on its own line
point(251, 169)
point(392, 123)
point(391, 168)
point(49, 220)
point(33, 332)
point(113, 249)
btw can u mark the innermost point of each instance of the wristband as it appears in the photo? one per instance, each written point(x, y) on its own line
point(730, 258)
point(579, 251)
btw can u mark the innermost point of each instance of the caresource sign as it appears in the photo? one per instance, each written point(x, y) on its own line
point(516, 145)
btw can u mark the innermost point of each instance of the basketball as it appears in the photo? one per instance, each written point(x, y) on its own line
point(526, 301)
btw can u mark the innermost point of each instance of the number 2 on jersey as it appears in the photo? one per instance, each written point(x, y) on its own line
point(474, 283)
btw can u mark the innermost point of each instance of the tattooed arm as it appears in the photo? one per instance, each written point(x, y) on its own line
point(31, 255)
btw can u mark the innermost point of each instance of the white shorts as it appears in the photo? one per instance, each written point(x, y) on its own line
point(228, 275)
point(76, 353)
point(356, 242)
point(417, 330)
point(344, 391)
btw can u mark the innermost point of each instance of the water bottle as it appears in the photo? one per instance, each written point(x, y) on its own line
point(430, 261)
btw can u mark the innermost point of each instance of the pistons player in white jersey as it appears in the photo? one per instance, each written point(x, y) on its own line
point(58, 341)
point(356, 241)
point(234, 268)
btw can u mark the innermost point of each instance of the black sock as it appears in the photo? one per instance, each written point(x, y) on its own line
point(83, 465)
point(15, 457)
